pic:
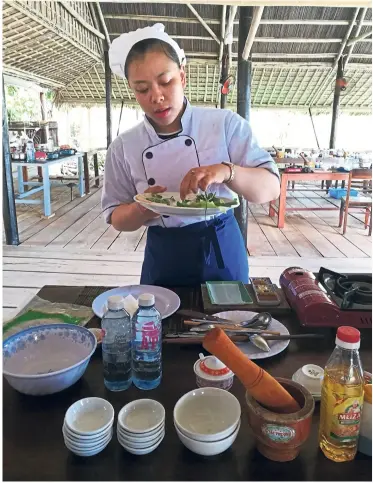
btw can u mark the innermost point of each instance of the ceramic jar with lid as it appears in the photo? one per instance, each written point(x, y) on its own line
point(211, 372)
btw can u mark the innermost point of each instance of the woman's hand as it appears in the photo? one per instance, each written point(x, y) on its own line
point(201, 178)
point(149, 214)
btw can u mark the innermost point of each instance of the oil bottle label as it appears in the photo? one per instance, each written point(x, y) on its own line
point(346, 419)
point(279, 434)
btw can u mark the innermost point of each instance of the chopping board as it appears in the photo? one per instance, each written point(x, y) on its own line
point(282, 309)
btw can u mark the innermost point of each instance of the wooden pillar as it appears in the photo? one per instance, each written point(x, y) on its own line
point(243, 99)
point(336, 101)
point(9, 206)
point(108, 98)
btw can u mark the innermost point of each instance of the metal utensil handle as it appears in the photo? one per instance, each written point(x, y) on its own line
point(198, 340)
point(293, 336)
point(194, 323)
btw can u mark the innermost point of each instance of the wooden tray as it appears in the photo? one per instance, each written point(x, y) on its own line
point(281, 309)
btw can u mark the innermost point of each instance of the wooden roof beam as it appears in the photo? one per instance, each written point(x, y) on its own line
point(360, 38)
point(257, 15)
point(340, 52)
point(274, 40)
point(197, 15)
point(279, 55)
point(357, 33)
point(211, 21)
point(80, 19)
point(103, 24)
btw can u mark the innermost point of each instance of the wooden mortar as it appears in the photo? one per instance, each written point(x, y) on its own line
point(279, 436)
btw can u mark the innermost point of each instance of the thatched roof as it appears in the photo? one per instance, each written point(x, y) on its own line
point(59, 45)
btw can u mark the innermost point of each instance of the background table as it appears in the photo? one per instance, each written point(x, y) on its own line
point(294, 177)
point(45, 184)
point(33, 447)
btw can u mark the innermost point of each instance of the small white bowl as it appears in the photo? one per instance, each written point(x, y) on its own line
point(207, 414)
point(143, 451)
point(86, 443)
point(89, 416)
point(88, 438)
point(310, 376)
point(141, 416)
point(85, 447)
point(144, 438)
point(141, 444)
point(147, 434)
point(91, 452)
point(211, 448)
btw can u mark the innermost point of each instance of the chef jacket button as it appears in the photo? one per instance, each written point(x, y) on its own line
point(151, 181)
point(188, 142)
point(149, 155)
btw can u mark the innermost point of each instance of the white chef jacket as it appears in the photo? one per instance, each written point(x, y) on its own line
point(139, 158)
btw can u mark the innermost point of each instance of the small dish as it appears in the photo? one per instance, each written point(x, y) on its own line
point(92, 452)
point(207, 414)
point(90, 447)
point(83, 437)
point(84, 443)
point(89, 416)
point(142, 451)
point(141, 444)
point(143, 437)
point(141, 416)
point(310, 376)
point(208, 448)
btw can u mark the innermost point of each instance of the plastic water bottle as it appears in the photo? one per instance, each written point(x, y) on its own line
point(147, 344)
point(30, 151)
point(116, 345)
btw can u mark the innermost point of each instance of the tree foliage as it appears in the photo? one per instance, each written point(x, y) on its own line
point(24, 104)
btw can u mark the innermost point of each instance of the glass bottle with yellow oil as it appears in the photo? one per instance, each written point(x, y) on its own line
point(342, 397)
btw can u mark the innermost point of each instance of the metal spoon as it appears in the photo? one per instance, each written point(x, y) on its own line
point(260, 321)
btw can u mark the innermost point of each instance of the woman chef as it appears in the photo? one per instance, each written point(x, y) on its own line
point(183, 148)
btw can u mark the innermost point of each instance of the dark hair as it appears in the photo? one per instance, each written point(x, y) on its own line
point(149, 45)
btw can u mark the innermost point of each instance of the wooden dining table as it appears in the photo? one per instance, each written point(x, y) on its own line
point(287, 178)
point(33, 446)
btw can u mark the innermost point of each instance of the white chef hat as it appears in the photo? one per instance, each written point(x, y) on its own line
point(122, 45)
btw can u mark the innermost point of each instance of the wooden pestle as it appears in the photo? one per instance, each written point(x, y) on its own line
point(259, 383)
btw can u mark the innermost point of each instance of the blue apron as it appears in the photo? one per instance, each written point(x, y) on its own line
point(212, 250)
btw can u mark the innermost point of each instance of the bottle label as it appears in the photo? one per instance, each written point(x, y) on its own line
point(278, 434)
point(346, 419)
point(150, 336)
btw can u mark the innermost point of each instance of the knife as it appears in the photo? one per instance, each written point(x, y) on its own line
point(200, 316)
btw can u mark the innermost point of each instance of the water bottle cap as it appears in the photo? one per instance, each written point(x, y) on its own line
point(115, 302)
point(146, 300)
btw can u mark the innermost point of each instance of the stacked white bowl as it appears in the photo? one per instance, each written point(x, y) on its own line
point(141, 426)
point(88, 426)
point(207, 420)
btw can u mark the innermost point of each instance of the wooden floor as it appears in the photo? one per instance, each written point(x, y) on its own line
point(77, 247)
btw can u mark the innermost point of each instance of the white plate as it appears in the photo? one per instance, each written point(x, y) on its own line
point(181, 211)
point(166, 301)
point(249, 348)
